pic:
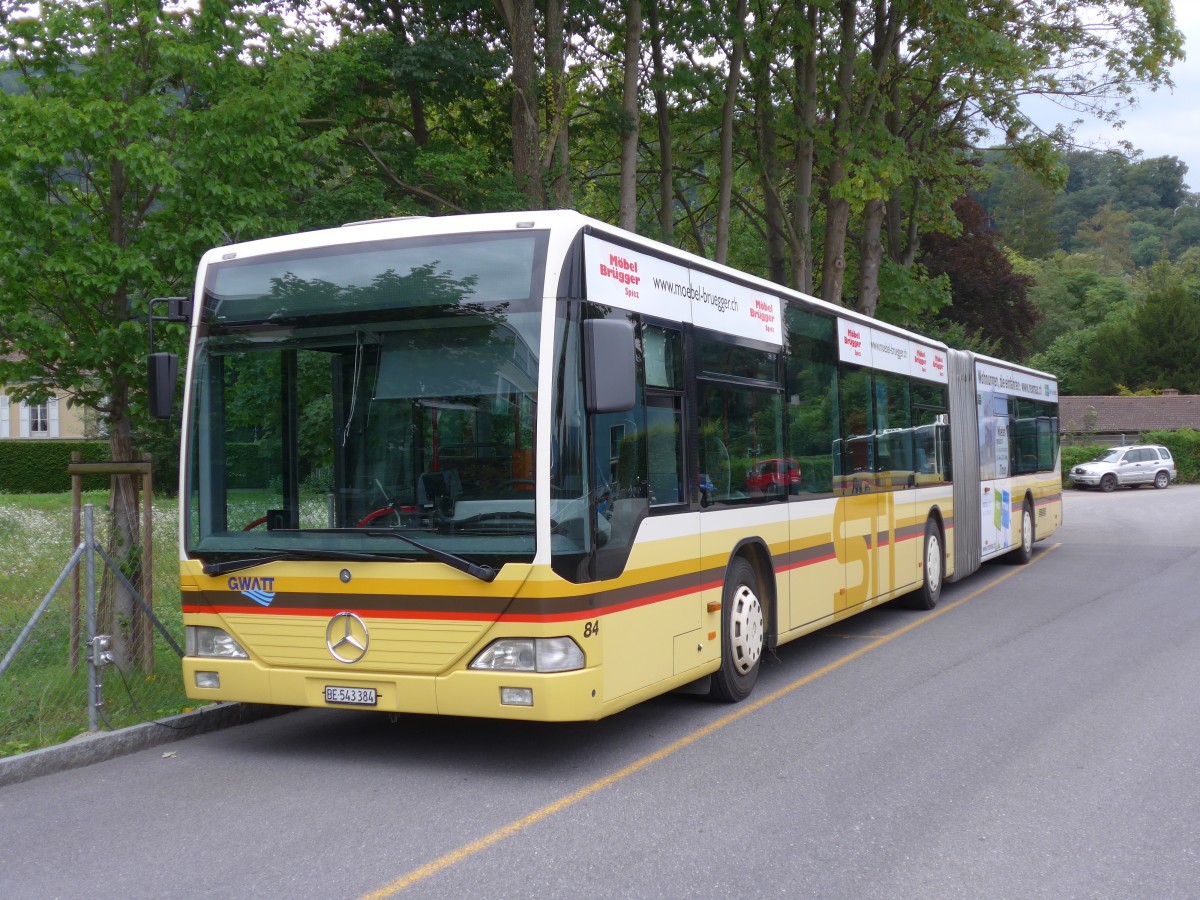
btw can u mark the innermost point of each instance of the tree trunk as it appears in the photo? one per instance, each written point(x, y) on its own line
point(662, 112)
point(527, 171)
point(725, 186)
point(870, 258)
point(837, 216)
point(416, 100)
point(631, 117)
point(857, 107)
point(124, 543)
point(758, 63)
point(805, 106)
point(558, 153)
point(124, 540)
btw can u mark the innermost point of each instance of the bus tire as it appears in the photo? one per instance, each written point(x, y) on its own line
point(932, 570)
point(743, 634)
point(1024, 551)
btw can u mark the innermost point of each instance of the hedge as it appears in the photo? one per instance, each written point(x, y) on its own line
point(40, 467)
point(1184, 446)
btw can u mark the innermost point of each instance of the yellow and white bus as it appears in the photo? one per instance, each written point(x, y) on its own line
point(527, 465)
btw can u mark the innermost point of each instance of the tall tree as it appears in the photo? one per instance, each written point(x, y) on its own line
point(662, 116)
point(135, 139)
point(989, 297)
point(520, 18)
point(418, 93)
point(1158, 346)
point(860, 85)
point(631, 117)
point(733, 80)
point(558, 150)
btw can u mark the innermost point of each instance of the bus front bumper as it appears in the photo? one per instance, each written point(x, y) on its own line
point(558, 697)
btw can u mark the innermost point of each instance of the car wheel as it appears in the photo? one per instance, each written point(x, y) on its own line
point(934, 570)
point(1162, 480)
point(1108, 483)
point(743, 637)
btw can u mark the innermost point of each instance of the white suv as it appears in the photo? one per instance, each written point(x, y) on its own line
point(1128, 466)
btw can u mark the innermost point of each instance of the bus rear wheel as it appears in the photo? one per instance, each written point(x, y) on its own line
point(933, 570)
point(743, 635)
point(1024, 551)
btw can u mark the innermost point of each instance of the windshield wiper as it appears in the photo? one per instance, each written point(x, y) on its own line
point(234, 565)
point(482, 572)
point(477, 570)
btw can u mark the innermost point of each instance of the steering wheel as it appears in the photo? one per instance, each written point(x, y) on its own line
point(261, 520)
point(379, 514)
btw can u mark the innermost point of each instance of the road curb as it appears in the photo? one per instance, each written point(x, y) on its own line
point(95, 747)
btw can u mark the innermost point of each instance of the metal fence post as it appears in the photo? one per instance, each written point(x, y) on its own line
point(89, 537)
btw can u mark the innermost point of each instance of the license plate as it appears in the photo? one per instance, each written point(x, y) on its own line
point(351, 696)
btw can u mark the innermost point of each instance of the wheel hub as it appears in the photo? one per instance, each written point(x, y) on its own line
point(933, 562)
point(745, 629)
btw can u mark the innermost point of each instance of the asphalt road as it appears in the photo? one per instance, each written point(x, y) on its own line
point(1038, 735)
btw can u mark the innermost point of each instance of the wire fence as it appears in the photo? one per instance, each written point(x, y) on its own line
point(51, 688)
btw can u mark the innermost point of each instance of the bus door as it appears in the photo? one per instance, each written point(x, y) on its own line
point(876, 515)
point(901, 523)
point(857, 491)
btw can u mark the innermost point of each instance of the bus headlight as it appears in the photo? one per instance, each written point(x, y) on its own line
point(559, 654)
point(203, 640)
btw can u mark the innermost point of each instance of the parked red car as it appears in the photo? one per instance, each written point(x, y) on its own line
point(773, 476)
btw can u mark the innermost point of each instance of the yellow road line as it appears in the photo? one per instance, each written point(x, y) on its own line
point(506, 831)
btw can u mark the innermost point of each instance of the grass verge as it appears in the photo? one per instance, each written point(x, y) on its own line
point(44, 691)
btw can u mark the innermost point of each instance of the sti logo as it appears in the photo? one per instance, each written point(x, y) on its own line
point(260, 590)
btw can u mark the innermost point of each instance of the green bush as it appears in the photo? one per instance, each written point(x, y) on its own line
point(40, 467)
point(1184, 446)
point(1073, 456)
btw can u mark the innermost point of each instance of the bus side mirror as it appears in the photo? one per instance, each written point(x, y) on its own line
point(609, 365)
point(162, 372)
point(162, 369)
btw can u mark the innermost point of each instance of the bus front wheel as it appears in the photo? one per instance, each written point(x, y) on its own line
point(743, 635)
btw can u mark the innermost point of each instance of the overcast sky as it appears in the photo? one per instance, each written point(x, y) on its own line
point(1165, 122)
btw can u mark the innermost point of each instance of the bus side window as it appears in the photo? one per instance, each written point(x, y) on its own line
point(857, 464)
point(932, 433)
point(663, 379)
point(741, 420)
point(812, 400)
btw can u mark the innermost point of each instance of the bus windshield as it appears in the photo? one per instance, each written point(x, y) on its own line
point(371, 401)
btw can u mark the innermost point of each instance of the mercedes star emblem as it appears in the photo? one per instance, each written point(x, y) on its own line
point(346, 637)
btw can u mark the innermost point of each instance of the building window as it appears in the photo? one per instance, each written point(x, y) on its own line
point(39, 419)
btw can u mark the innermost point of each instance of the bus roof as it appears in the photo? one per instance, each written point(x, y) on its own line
point(567, 226)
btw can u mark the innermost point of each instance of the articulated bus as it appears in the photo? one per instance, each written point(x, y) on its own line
point(531, 466)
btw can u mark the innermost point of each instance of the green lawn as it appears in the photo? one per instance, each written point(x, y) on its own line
point(43, 695)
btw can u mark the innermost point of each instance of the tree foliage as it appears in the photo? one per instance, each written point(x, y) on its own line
point(135, 137)
point(821, 143)
point(990, 298)
point(1157, 347)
